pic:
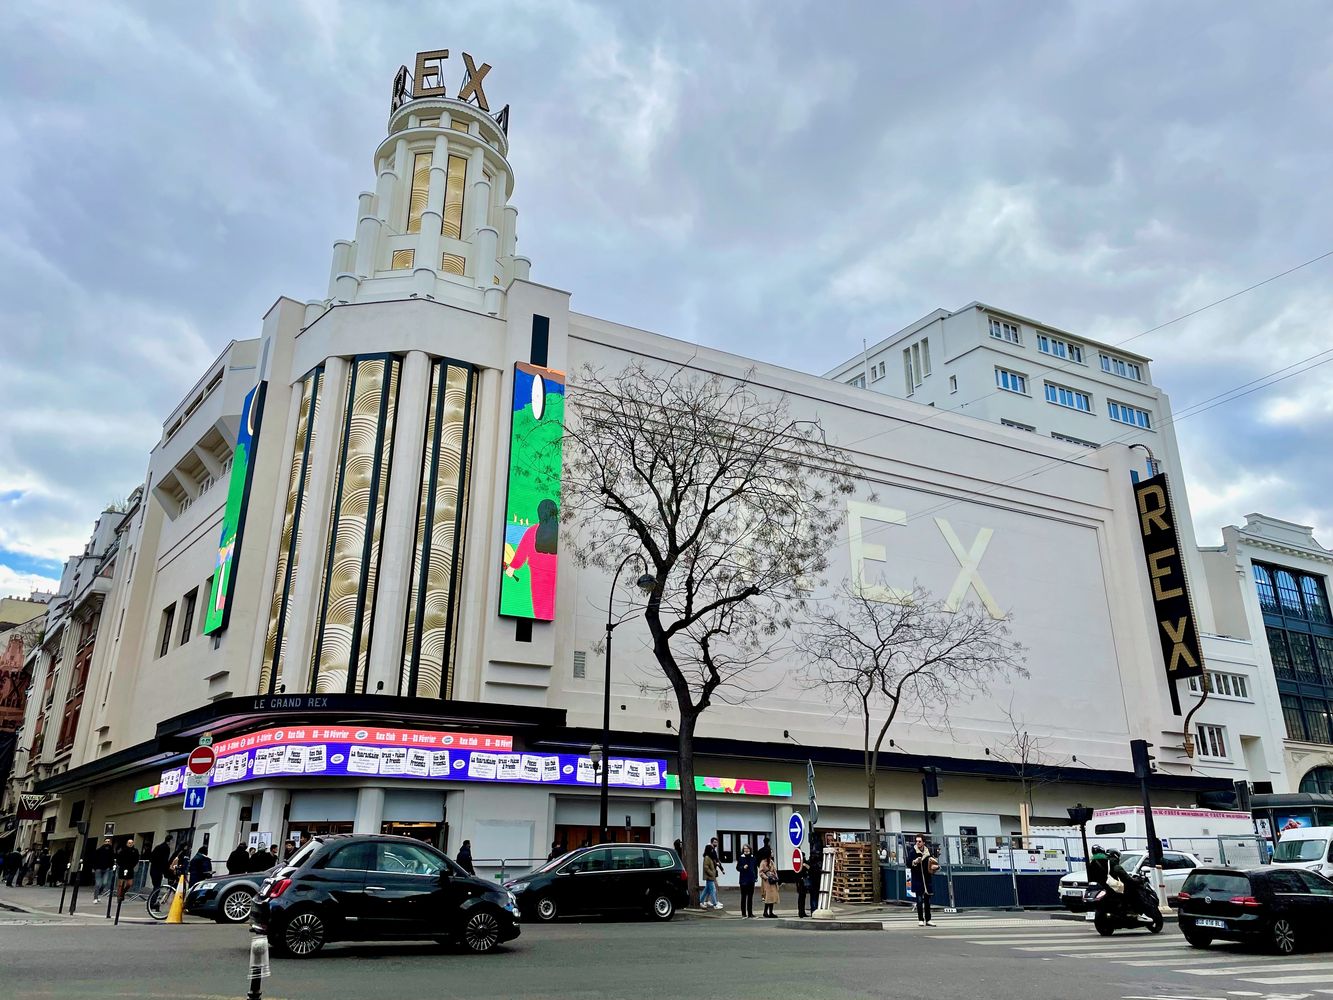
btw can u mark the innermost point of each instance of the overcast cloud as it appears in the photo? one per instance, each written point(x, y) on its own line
point(777, 179)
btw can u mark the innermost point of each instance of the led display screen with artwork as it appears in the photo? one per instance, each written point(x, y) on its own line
point(233, 518)
point(532, 504)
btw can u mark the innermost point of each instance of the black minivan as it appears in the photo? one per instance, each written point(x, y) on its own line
point(609, 878)
point(354, 887)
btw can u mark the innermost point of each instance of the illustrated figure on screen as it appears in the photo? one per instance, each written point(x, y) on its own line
point(537, 551)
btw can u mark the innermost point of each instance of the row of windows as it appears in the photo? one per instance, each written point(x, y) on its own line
point(1067, 438)
point(188, 605)
point(1298, 656)
point(1060, 395)
point(1222, 684)
point(1291, 594)
point(1066, 350)
point(916, 363)
point(1307, 719)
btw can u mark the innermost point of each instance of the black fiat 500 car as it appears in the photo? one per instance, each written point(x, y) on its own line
point(1283, 908)
point(225, 898)
point(367, 888)
point(610, 878)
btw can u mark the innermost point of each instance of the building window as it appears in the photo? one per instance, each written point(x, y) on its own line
point(1212, 741)
point(168, 617)
point(402, 260)
point(909, 373)
point(187, 614)
point(925, 356)
point(1059, 348)
point(429, 122)
point(451, 220)
point(1278, 653)
point(1016, 425)
point(1267, 595)
point(1010, 333)
point(420, 191)
point(1011, 381)
point(1317, 729)
point(1132, 415)
point(1070, 439)
point(1293, 717)
point(1064, 396)
point(580, 664)
point(1316, 601)
point(1222, 685)
point(876, 371)
point(1319, 781)
point(953, 383)
point(859, 381)
point(1121, 367)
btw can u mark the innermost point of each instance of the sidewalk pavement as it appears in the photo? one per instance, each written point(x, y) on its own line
point(786, 908)
point(43, 902)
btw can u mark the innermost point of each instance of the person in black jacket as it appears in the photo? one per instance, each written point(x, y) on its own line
point(12, 861)
point(200, 866)
point(811, 870)
point(238, 861)
point(158, 860)
point(126, 863)
point(104, 869)
point(921, 864)
point(747, 868)
point(264, 860)
point(464, 858)
point(59, 865)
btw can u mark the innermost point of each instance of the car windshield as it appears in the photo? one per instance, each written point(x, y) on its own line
point(1131, 860)
point(552, 864)
point(1216, 883)
point(1299, 850)
point(300, 857)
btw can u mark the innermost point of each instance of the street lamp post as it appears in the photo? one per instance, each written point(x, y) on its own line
point(646, 582)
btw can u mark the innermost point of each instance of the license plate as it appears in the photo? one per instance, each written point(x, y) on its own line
point(1072, 892)
point(1205, 922)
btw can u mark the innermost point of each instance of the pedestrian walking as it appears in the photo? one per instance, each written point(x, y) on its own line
point(59, 866)
point(200, 866)
point(768, 880)
point(464, 858)
point(126, 863)
point(104, 869)
point(159, 860)
point(747, 870)
point(43, 865)
point(708, 899)
point(557, 849)
point(923, 866)
point(27, 865)
point(238, 861)
point(11, 868)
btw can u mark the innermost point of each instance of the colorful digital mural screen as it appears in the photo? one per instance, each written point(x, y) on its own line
point(233, 519)
point(532, 506)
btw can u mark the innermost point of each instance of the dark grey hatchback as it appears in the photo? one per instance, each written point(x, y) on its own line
point(372, 888)
point(1280, 907)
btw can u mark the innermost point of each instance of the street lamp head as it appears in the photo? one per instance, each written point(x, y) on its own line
point(646, 583)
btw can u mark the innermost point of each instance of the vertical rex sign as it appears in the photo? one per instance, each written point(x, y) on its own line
point(218, 611)
point(532, 502)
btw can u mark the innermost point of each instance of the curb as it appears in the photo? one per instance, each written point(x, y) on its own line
point(830, 925)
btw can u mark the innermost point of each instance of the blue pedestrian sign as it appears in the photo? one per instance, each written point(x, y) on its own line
point(796, 830)
point(194, 798)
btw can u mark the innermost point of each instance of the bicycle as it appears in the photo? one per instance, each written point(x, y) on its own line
point(160, 900)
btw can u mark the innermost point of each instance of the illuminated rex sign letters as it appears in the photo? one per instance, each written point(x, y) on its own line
point(1172, 608)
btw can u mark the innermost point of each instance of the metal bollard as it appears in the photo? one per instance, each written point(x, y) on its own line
point(120, 901)
point(259, 967)
point(115, 887)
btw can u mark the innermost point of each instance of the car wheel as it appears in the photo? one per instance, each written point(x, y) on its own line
point(1198, 940)
point(481, 932)
point(1283, 936)
point(663, 908)
point(546, 909)
point(234, 907)
point(304, 935)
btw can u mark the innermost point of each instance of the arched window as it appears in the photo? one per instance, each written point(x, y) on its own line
point(1289, 595)
point(1320, 780)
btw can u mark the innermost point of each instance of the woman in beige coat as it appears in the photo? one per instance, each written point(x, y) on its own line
point(768, 880)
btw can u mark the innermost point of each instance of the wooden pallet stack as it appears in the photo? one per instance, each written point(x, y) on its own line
point(853, 876)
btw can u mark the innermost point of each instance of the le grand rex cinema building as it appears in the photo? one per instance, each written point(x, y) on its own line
point(339, 571)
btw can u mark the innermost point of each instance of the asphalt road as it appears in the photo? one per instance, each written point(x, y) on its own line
point(997, 958)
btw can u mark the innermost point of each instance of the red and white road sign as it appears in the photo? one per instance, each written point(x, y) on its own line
point(201, 760)
point(796, 861)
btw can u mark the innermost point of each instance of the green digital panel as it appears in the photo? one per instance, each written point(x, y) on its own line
point(233, 519)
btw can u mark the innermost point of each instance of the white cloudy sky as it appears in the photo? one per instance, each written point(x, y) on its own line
point(776, 178)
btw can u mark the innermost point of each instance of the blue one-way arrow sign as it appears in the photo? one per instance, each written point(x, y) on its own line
point(194, 798)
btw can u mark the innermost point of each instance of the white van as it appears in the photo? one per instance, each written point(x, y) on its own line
point(1306, 847)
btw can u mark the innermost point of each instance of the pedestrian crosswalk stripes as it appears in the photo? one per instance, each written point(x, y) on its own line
point(1230, 969)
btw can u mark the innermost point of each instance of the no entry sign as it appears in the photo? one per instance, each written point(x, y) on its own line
point(796, 861)
point(201, 760)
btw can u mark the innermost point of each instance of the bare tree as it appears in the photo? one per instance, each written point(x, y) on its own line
point(911, 659)
point(732, 503)
point(1029, 755)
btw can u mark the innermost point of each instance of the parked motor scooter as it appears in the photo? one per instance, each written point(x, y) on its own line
point(1135, 907)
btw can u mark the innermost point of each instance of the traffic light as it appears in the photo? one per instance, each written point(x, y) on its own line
point(1143, 760)
point(1079, 814)
point(1243, 802)
point(930, 781)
